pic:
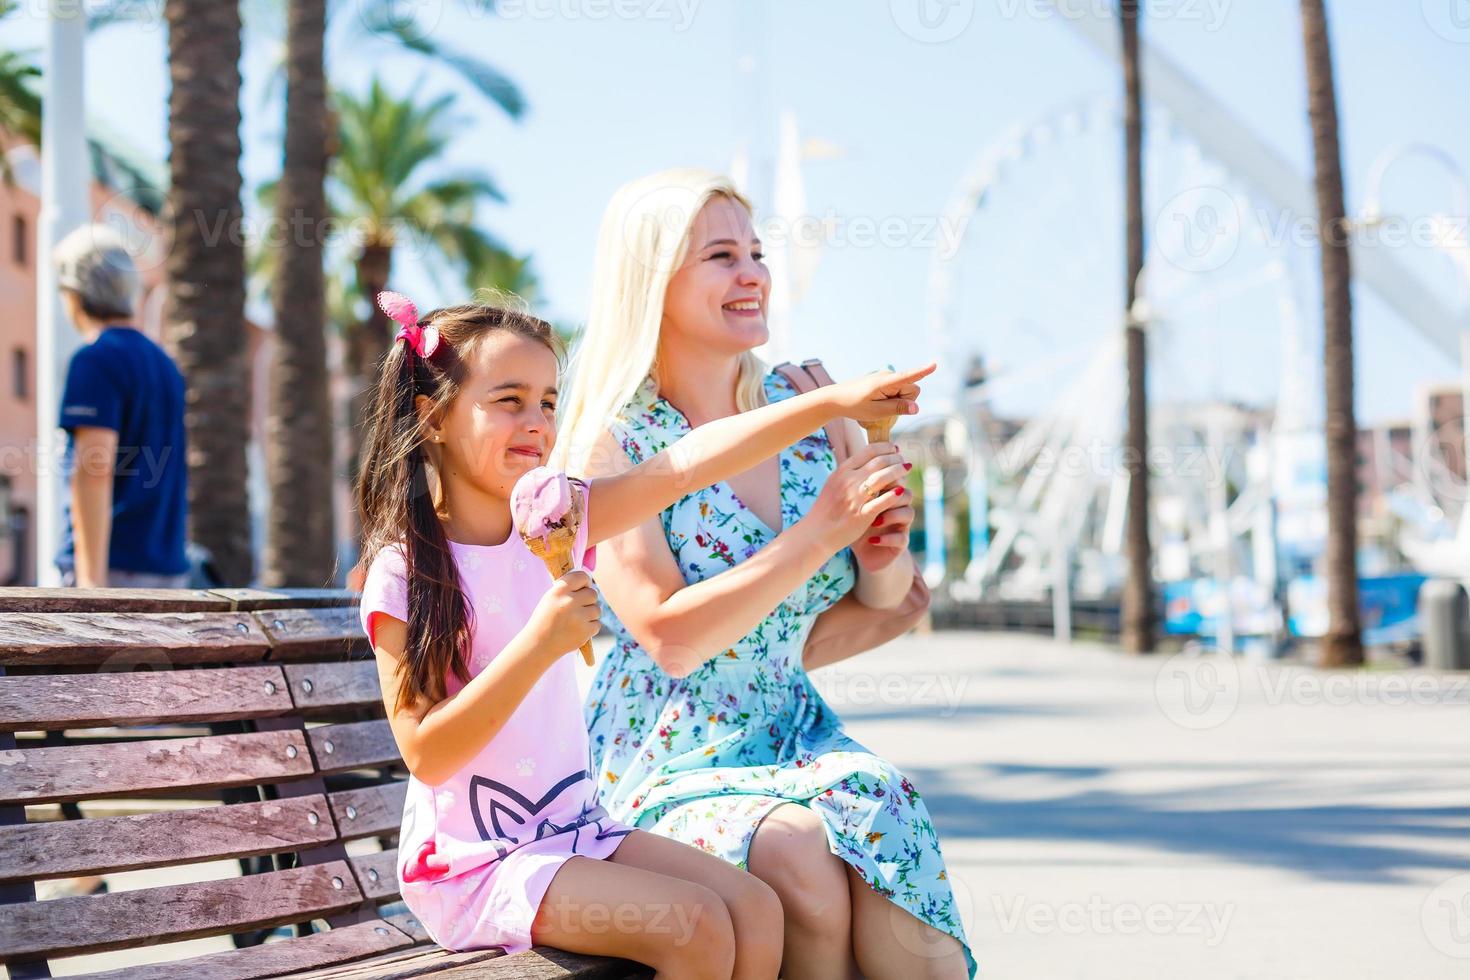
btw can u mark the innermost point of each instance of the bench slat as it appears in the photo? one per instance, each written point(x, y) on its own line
point(51, 702)
point(319, 949)
point(28, 599)
point(78, 772)
point(98, 845)
point(409, 925)
point(540, 963)
point(420, 961)
point(98, 923)
point(117, 639)
point(242, 599)
point(373, 811)
point(300, 634)
point(377, 874)
point(353, 745)
point(334, 685)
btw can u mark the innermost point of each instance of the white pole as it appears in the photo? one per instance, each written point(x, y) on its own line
point(65, 181)
point(1061, 587)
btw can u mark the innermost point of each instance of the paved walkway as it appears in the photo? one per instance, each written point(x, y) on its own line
point(1114, 817)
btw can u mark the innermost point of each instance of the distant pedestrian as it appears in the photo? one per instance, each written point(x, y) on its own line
point(123, 410)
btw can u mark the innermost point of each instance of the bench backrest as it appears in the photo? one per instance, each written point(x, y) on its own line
point(250, 723)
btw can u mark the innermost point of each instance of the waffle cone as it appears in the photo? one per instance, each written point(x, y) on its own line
point(879, 430)
point(556, 551)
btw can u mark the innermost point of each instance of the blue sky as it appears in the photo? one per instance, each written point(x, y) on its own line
point(619, 88)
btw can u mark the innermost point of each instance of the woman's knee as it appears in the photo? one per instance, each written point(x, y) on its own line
point(790, 853)
point(756, 910)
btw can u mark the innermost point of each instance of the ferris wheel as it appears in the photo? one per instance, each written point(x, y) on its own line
point(1032, 290)
point(1034, 287)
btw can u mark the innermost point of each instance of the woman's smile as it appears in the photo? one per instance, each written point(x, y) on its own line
point(745, 307)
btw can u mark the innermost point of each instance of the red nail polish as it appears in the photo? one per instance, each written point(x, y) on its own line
point(898, 492)
point(908, 466)
point(879, 521)
point(875, 541)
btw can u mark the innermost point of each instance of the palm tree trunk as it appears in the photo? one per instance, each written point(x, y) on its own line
point(206, 274)
point(1343, 643)
point(300, 540)
point(1138, 608)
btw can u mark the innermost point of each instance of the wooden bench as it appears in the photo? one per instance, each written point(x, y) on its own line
point(180, 727)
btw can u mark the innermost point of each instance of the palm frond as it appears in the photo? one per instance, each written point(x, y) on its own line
point(20, 103)
point(384, 19)
point(113, 12)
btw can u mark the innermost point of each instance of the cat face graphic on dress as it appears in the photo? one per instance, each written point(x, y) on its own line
point(716, 301)
point(503, 421)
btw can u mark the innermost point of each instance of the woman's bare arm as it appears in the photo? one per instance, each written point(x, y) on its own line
point(886, 587)
point(681, 625)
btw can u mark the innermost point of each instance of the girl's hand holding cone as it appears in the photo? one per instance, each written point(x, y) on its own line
point(879, 398)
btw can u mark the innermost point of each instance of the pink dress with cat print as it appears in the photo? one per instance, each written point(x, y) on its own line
point(476, 853)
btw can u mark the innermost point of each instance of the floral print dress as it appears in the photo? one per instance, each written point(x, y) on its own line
point(704, 758)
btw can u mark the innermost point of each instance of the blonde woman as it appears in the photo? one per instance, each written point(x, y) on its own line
point(705, 725)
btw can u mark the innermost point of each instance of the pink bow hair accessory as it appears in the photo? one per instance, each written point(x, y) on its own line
point(423, 341)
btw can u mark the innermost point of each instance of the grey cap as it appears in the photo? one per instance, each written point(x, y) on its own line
point(93, 262)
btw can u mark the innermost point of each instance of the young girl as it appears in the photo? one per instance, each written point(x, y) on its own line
point(502, 842)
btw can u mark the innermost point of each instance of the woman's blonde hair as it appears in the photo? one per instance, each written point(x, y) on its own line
point(642, 242)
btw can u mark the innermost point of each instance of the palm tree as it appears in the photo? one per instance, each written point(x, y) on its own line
point(206, 273)
point(1343, 643)
point(301, 542)
point(300, 520)
point(20, 105)
point(1138, 608)
point(300, 545)
point(381, 189)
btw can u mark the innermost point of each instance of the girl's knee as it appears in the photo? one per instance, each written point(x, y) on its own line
point(703, 942)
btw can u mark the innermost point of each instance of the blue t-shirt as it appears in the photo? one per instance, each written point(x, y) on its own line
point(125, 382)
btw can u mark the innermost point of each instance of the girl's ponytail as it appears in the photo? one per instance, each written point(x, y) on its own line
point(396, 502)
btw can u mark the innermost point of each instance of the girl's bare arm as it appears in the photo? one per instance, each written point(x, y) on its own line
point(720, 449)
point(437, 740)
